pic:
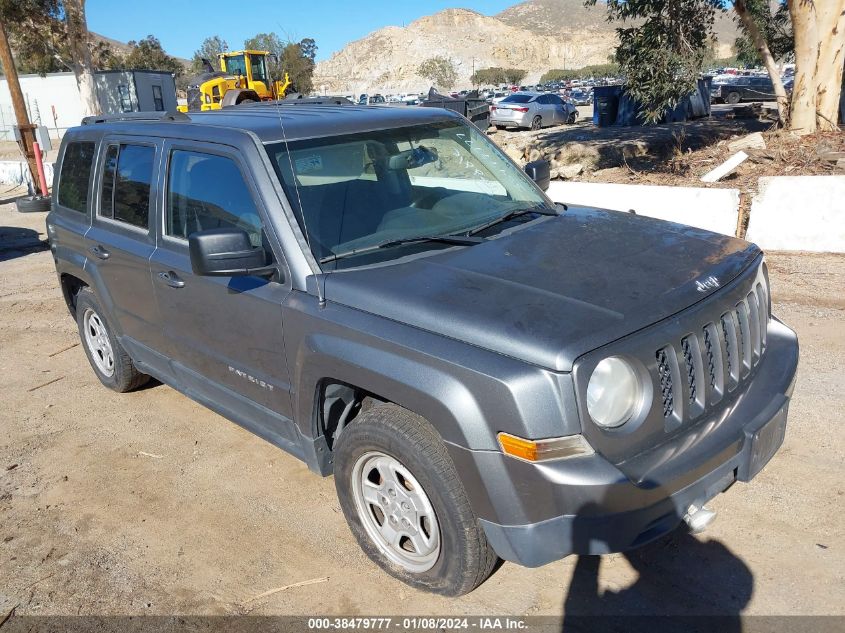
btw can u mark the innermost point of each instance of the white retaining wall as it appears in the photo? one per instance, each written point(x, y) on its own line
point(799, 213)
point(709, 209)
point(16, 172)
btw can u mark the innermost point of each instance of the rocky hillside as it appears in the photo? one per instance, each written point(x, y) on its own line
point(387, 60)
point(535, 35)
point(557, 17)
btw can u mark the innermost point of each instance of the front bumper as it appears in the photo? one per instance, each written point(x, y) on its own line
point(535, 513)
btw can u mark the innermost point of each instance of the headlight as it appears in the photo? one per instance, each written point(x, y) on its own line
point(613, 393)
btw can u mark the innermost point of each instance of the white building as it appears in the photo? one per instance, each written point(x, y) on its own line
point(53, 100)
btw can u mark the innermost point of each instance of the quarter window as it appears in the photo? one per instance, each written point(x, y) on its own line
point(206, 191)
point(127, 174)
point(74, 176)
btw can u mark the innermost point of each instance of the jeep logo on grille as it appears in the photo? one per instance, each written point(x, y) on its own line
point(703, 285)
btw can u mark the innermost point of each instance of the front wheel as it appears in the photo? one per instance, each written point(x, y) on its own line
point(572, 117)
point(406, 505)
point(733, 98)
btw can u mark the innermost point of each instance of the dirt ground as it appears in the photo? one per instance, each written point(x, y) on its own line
point(147, 503)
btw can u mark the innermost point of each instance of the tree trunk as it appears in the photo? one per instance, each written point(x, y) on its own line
point(21, 116)
point(771, 66)
point(803, 111)
point(83, 67)
point(831, 33)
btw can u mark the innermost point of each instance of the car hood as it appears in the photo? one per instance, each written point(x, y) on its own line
point(548, 292)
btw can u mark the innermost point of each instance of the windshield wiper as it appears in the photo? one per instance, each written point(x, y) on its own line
point(539, 209)
point(463, 240)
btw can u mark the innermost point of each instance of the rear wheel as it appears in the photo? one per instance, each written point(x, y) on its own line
point(109, 360)
point(537, 123)
point(406, 505)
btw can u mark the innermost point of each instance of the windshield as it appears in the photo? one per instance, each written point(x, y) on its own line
point(517, 99)
point(360, 190)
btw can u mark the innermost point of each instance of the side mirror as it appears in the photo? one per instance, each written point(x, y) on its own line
point(226, 253)
point(540, 173)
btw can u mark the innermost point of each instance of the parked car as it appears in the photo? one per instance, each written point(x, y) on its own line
point(581, 97)
point(366, 99)
point(533, 110)
point(744, 88)
point(384, 294)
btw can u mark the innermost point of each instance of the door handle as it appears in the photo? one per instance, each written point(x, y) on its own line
point(171, 279)
point(100, 252)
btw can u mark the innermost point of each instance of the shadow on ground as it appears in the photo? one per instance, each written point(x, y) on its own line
point(17, 242)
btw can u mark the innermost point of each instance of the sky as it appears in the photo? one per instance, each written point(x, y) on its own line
point(182, 25)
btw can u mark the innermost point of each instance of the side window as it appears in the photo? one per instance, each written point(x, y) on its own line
point(158, 99)
point(75, 175)
point(127, 174)
point(125, 100)
point(206, 191)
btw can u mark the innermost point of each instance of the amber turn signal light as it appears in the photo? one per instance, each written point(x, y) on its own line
point(543, 450)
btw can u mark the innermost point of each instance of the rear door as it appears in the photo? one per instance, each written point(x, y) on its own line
point(545, 109)
point(224, 334)
point(559, 107)
point(70, 217)
point(121, 241)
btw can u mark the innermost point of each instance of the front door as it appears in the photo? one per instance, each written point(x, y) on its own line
point(225, 334)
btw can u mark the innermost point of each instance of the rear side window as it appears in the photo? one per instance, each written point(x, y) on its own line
point(75, 175)
point(127, 174)
point(206, 191)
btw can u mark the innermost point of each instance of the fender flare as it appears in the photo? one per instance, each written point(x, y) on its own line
point(420, 387)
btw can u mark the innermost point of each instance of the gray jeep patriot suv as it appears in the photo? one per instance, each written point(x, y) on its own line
point(382, 293)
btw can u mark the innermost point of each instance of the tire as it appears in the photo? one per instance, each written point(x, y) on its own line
point(450, 554)
point(732, 98)
point(572, 117)
point(108, 359)
point(537, 122)
point(33, 204)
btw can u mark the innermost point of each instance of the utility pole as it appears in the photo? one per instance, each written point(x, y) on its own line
point(27, 130)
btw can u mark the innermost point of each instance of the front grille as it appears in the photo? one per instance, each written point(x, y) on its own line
point(689, 363)
point(665, 374)
point(715, 359)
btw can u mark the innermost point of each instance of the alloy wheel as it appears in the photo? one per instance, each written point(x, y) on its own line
point(98, 343)
point(396, 512)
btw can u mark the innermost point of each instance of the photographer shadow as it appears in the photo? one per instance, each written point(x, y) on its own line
point(684, 583)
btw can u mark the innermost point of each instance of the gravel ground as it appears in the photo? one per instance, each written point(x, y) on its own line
point(147, 503)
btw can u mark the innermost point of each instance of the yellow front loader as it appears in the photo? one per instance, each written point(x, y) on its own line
point(242, 78)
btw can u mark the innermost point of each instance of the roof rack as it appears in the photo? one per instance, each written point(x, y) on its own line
point(136, 116)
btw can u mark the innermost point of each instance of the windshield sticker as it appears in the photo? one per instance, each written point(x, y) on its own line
point(309, 163)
